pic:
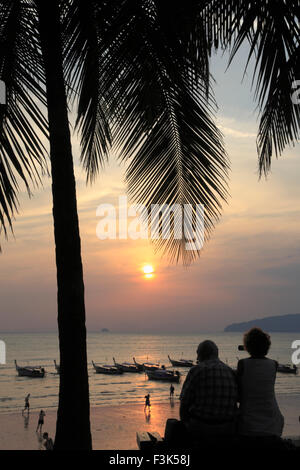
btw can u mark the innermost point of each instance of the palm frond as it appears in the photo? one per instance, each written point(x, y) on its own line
point(272, 29)
point(186, 22)
point(22, 154)
point(164, 118)
point(280, 122)
point(83, 67)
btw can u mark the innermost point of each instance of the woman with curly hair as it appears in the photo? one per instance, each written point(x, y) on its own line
point(259, 414)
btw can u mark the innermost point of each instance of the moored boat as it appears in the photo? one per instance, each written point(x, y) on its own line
point(138, 365)
point(146, 365)
point(181, 362)
point(106, 369)
point(30, 371)
point(151, 366)
point(126, 366)
point(287, 369)
point(163, 374)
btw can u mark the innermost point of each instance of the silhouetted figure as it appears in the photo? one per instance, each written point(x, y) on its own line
point(147, 403)
point(259, 414)
point(40, 421)
point(209, 395)
point(48, 443)
point(27, 404)
point(172, 391)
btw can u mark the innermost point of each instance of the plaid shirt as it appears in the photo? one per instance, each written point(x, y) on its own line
point(210, 391)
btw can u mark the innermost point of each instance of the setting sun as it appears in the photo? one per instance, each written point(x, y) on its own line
point(148, 271)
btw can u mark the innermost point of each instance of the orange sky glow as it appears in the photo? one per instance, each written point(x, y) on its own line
point(250, 268)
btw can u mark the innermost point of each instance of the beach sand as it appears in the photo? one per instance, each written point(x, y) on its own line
point(115, 427)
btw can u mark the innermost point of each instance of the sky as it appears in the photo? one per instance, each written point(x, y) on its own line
point(249, 269)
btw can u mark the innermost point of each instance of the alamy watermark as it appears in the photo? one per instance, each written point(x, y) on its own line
point(180, 222)
point(296, 354)
point(296, 93)
point(2, 352)
point(2, 92)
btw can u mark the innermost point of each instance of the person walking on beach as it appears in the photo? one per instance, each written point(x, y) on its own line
point(40, 421)
point(27, 405)
point(172, 391)
point(147, 403)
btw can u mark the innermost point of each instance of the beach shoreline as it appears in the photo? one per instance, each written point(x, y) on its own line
point(114, 427)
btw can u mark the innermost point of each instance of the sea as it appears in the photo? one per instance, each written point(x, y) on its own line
point(40, 349)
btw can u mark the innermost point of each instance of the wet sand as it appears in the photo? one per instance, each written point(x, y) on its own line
point(115, 427)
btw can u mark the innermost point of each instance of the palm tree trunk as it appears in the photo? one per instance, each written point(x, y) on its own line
point(73, 417)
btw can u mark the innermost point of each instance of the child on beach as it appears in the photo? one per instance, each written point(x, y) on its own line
point(40, 421)
point(48, 443)
point(27, 405)
point(172, 391)
point(147, 402)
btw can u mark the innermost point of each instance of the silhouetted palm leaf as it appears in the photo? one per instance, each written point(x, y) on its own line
point(83, 71)
point(157, 85)
point(22, 154)
point(272, 30)
point(140, 73)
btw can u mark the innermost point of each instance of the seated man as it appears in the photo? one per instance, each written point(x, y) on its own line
point(209, 395)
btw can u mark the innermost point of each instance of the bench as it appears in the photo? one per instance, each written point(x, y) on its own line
point(148, 440)
point(153, 440)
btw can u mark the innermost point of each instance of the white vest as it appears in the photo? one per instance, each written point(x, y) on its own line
point(259, 411)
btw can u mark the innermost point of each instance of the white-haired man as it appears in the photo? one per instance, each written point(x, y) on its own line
point(209, 395)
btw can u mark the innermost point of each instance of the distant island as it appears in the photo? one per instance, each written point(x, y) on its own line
point(280, 324)
point(105, 330)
